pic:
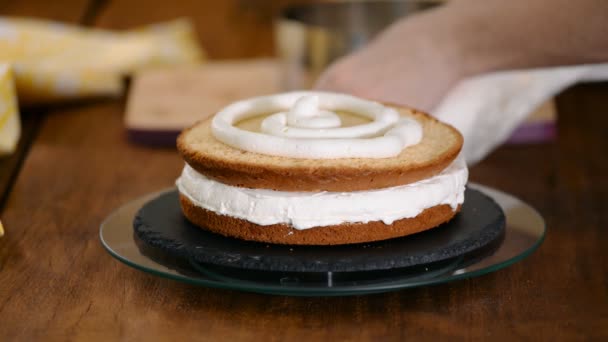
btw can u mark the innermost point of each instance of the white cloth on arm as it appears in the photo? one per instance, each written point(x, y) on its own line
point(488, 108)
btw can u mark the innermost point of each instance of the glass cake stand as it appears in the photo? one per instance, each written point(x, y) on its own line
point(524, 232)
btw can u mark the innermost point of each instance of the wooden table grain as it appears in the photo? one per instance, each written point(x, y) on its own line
point(58, 283)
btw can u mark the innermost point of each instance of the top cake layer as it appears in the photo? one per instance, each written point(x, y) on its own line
point(435, 150)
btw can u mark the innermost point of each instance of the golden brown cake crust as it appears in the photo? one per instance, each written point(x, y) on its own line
point(348, 233)
point(440, 145)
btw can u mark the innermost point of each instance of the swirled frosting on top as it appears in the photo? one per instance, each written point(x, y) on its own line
point(305, 125)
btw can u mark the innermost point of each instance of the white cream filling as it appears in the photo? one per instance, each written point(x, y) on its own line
point(303, 210)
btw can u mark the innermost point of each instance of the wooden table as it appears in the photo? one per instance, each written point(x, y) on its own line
point(75, 166)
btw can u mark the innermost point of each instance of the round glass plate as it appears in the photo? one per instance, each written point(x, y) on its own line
point(524, 232)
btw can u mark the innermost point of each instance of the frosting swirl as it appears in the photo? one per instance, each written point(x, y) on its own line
point(304, 125)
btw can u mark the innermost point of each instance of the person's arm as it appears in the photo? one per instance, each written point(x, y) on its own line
point(498, 34)
point(417, 60)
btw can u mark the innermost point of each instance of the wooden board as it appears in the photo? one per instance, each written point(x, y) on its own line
point(162, 102)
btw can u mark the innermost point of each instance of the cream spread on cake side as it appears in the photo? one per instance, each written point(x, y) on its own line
point(303, 210)
point(304, 125)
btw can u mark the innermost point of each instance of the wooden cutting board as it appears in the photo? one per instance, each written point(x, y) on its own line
point(162, 102)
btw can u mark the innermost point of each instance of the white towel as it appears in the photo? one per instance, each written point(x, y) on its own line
point(488, 108)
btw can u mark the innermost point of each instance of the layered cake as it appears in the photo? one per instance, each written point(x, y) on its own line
point(317, 168)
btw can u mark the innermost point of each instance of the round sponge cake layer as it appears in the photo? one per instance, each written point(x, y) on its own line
point(347, 233)
point(439, 146)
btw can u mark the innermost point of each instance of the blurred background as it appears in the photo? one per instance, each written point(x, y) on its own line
point(209, 47)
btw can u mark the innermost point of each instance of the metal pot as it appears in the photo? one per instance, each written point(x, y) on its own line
point(310, 37)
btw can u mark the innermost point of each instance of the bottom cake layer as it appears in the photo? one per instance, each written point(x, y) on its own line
point(347, 233)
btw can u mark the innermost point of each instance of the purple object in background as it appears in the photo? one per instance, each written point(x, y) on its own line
point(153, 138)
point(532, 133)
point(540, 127)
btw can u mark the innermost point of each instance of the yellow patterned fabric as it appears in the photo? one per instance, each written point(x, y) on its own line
point(54, 61)
point(10, 126)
